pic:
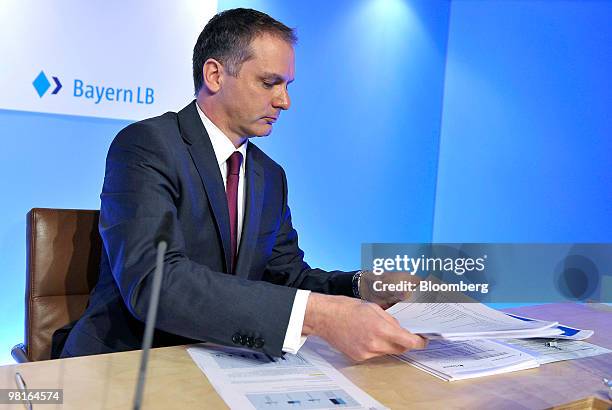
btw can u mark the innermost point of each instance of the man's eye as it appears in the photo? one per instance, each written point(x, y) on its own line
point(267, 85)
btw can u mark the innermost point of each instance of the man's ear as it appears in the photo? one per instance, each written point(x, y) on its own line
point(212, 74)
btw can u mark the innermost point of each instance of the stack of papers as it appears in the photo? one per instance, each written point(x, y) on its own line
point(567, 332)
point(459, 347)
point(452, 361)
point(468, 321)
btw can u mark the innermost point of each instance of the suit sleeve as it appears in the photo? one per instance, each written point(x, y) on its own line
point(140, 185)
point(287, 265)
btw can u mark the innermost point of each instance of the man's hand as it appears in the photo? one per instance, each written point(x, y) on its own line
point(358, 329)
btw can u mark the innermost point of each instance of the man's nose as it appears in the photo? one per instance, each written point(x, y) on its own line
point(282, 100)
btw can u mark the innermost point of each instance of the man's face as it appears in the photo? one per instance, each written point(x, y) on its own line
point(253, 100)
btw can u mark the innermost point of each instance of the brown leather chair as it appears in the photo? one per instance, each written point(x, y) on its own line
point(63, 263)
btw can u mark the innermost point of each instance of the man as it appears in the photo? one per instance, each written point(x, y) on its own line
point(234, 273)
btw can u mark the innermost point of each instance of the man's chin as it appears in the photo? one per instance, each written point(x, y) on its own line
point(263, 131)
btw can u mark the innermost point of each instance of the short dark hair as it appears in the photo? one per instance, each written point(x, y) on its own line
point(227, 38)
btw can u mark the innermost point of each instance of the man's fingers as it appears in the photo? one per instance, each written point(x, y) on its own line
point(397, 335)
point(413, 342)
point(419, 343)
point(404, 338)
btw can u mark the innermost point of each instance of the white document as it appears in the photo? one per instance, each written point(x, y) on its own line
point(251, 380)
point(452, 361)
point(557, 351)
point(467, 321)
point(570, 333)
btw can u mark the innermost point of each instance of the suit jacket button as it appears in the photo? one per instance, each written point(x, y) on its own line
point(243, 340)
point(236, 338)
point(250, 342)
point(259, 342)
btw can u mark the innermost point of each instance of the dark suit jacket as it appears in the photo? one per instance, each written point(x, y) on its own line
point(165, 164)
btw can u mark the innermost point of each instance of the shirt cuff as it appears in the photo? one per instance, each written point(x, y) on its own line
point(293, 338)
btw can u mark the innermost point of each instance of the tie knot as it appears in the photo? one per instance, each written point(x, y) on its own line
point(233, 163)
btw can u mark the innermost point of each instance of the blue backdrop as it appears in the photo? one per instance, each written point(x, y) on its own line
point(525, 152)
point(503, 135)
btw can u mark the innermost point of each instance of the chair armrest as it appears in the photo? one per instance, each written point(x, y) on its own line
point(19, 353)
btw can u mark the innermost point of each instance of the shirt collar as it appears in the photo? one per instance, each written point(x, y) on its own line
point(222, 145)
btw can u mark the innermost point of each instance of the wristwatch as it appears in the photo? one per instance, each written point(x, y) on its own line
point(356, 283)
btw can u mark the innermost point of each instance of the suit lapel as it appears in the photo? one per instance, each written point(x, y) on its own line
point(202, 153)
point(252, 214)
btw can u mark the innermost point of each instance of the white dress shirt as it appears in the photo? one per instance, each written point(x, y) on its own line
point(223, 148)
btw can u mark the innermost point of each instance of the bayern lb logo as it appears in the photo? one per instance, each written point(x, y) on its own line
point(95, 93)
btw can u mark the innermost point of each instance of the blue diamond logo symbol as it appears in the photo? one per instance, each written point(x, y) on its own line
point(41, 84)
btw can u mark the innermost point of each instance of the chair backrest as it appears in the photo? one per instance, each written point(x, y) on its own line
point(63, 264)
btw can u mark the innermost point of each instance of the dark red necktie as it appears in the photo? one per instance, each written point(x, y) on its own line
point(233, 178)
